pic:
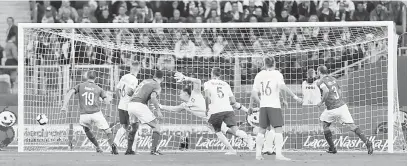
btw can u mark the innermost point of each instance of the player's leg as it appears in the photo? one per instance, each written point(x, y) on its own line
point(155, 137)
point(134, 126)
point(216, 121)
point(275, 116)
point(327, 118)
point(260, 137)
point(85, 121)
point(124, 122)
point(100, 122)
point(346, 118)
point(231, 122)
point(268, 147)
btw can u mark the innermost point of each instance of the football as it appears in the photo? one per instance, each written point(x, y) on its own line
point(42, 119)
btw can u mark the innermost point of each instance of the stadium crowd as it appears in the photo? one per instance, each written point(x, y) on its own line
point(297, 49)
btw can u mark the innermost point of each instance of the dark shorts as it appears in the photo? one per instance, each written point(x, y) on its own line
point(269, 116)
point(228, 117)
point(123, 117)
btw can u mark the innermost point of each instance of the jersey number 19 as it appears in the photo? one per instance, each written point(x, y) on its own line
point(89, 98)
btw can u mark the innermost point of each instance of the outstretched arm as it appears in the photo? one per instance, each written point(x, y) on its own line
point(155, 102)
point(196, 82)
point(172, 108)
point(287, 90)
point(325, 94)
point(66, 98)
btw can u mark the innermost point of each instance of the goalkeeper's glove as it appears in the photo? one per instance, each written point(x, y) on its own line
point(179, 77)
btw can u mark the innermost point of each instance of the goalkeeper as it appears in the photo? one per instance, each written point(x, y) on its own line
point(194, 102)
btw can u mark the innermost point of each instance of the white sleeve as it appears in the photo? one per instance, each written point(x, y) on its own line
point(256, 87)
point(206, 86)
point(230, 94)
point(120, 84)
point(280, 79)
point(134, 83)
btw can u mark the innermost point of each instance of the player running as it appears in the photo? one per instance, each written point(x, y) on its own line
point(194, 102)
point(148, 90)
point(220, 103)
point(126, 85)
point(89, 94)
point(336, 109)
point(268, 83)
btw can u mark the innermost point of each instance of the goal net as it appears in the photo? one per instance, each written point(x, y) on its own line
point(54, 57)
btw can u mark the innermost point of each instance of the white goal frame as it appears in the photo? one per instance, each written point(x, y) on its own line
point(392, 54)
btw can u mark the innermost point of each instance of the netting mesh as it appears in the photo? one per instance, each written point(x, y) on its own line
point(57, 57)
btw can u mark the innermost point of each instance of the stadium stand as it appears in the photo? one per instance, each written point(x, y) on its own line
point(212, 12)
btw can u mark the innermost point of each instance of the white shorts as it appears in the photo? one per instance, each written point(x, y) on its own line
point(224, 127)
point(97, 119)
point(342, 114)
point(141, 111)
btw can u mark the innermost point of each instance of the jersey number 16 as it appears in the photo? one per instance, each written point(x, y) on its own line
point(266, 89)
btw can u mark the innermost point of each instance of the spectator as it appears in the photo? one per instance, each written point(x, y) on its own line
point(252, 18)
point(41, 11)
point(249, 9)
point(325, 13)
point(305, 10)
point(258, 14)
point(184, 48)
point(176, 17)
point(331, 4)
point(361, 13)
point(12, 30)
point(11, 51)
point(87, 16)
point(199, 19)
point(67, 9)
point(283, 16)
point(237, 16)
point(65, 18)
point(229, 6)
point(211, 6)
point(342, 14)
point(48, 17)
point(146, 11)
point(203, 50)
point(380, 13)
point(158, 6)
point(192, 15)
point(121, 17)
point(158, 18)
point(105, 17)
point(212, 16)
point(219, 45)
point(102, 6)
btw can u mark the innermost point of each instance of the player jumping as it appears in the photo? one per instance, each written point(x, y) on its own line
point(148, 90)
point(194, 102)
point(89, 94)
point(126, 85)
point(336, 109)
point(220, 101)
point(269, 83)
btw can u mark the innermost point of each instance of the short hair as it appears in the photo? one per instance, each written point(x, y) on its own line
point(188, 88)
point(269, 62)
point(159, 74)
point(216, 71)
point(136, 64)
point(91, 74)
point(323, 69)
point(310, 73)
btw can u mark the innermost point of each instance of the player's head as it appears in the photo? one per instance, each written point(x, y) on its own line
point(135, 68)
point(185, 93)
point(322, 70)
point(90, 75)
point(216, 72)
point(311, 74)
point(158, 75)
point(269, 62)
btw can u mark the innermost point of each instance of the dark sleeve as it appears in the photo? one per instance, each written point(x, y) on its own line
point(76, 88)
point(156, 89)
point(102, 93)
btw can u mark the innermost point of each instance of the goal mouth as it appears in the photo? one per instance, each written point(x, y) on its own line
point(361, 55)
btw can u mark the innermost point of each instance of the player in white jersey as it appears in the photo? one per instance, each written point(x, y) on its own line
point(194, 102)
point(126, 85)
point(220, 103)
point(310, 91)
point(267, 84)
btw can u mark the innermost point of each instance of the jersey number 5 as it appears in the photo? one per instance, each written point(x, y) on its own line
point(220, 93)
point(89, 98)
point(336, 93)
point(266, 89)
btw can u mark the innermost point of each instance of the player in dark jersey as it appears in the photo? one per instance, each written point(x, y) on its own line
point(89, 95)
point(148, 90)
point(336, 108)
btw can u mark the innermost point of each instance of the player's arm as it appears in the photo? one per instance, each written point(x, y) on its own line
point(207, 98)
point(282, 86)
point(155, 101)
point(196, 82)
point(233, 101)
point(325, 93)
point(68, 96)
point(172, 108)
point(106, 98)
point(255, 92)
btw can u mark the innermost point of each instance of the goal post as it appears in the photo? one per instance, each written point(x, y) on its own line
point(370, 87)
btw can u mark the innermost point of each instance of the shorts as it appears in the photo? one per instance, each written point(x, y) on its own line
point(342, 114)
point(125, 119)
point(269, 116)
point(141, 111)
point(217, 119)
point(86, 120)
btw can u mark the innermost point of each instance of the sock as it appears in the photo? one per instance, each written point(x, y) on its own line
point(224, 140)
point(121, 132)
point(131, 137)
point(242, 134)
point(361, 135)
point(110, 138)
point(155, 142)
point(259, 143)
point(92, 138)
point(269, 141)
point(278, 144)
point(328, 137)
